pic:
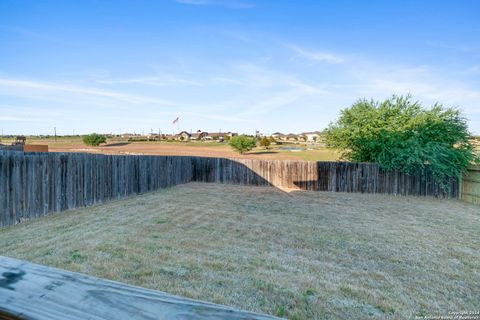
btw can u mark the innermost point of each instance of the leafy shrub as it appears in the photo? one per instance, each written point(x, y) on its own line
point(399, 133)
point(242, 143)
point(265, 142)
point(94, 139)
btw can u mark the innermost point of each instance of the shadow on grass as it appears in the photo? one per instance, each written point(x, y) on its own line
point(256, 173)
point(261, 152)
point(118, 144)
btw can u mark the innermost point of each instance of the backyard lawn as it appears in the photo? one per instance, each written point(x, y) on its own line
point(300, 255)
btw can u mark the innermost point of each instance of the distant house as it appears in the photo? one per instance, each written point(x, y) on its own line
point(204, 136)
point(153, 137)
point(199, 135)
point(183, 136)
point(278, 137)
point(219, 136)
point(312, 136)
point(291, 137)
point(168, 136)
point(128, 135)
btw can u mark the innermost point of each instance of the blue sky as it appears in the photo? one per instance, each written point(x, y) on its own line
point(240, 65)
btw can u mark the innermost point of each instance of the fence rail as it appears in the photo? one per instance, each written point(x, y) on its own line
point(34, 184)
point(32, 291)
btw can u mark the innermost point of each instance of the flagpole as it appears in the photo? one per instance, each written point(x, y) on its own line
point(175, 121)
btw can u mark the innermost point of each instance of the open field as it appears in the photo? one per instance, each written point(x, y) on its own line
point(204, 149)
point(302, 255)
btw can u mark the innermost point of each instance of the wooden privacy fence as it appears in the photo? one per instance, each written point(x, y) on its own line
point(370, 178)
point(277, 173)
point(32, 185)
point(320, 176)
point(470, 185)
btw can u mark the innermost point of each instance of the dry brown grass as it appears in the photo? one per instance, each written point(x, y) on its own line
point(302, 255)
point(202, 149)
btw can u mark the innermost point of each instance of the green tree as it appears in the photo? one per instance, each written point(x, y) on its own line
point(242, 143)
point(399, 133)
point(265, 142)
point(94, 139)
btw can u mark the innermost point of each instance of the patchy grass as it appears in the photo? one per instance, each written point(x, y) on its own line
point(316, 154)
point(301, 255)
point(310, 153)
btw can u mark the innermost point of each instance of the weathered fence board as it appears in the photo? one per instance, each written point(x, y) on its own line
point(32, 291)
point(322, 176)
point(369, 178)
point(34, 184)
point(470, 185)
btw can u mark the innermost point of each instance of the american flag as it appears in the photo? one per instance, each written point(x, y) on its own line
point(175, 121)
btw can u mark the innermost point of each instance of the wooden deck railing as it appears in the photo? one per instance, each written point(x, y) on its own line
point(32, 291)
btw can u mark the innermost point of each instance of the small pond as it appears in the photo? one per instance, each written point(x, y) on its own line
point(295, 149)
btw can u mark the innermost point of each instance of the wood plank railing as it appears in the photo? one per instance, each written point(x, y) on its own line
point(32, 291)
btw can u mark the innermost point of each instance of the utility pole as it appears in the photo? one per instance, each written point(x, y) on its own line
point(55, 133)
